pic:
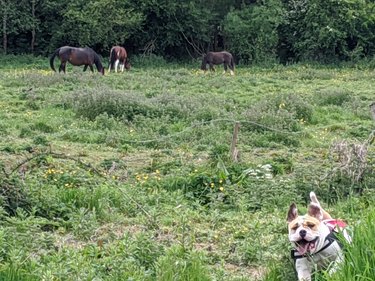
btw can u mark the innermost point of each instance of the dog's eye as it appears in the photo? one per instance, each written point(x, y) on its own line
point(294, 227)
point(310, 225)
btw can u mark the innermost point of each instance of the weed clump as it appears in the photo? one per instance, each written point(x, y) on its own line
point(187, 265)
point(130, 106)
point(13, 196)
point(332, 96)
point(279, 113)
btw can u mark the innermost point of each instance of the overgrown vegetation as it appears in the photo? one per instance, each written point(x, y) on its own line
point(254, 31)
point(129, 176)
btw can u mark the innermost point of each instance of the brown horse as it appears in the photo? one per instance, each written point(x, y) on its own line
point(118, 55)
point(77, 56)
point(213, 58)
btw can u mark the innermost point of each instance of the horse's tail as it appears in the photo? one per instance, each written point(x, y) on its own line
point(204, 62)
point(52, 59)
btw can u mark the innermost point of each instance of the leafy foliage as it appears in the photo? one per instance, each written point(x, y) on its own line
point(326, 30)
point(254, 31)
point(251, 32)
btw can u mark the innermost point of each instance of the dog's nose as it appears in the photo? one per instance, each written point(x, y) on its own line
point(302, 233)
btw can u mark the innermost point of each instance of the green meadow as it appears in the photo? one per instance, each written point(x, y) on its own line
point(130, 176)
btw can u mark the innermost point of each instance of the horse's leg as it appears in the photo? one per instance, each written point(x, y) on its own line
point(225, 67)
point(62, 66)
point(122, 66)
point(231, 66)
point(231, 71)
point(91, 67)
point(116, 65)
point(85, 67)
point(212, 67)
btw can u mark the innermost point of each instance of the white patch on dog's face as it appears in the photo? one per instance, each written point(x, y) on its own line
point(304, 233)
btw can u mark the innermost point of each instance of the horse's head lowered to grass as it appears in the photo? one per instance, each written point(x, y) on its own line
point(77, 56)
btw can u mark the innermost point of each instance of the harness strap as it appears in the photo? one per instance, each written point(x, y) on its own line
point(330, 238)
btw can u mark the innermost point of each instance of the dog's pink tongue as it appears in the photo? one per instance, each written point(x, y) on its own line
point(302, 249)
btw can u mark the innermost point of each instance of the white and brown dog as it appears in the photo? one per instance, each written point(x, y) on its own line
point(313, 238)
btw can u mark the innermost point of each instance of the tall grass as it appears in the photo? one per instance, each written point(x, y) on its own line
point(128, 176)
point(182, 265)
point(360, 254)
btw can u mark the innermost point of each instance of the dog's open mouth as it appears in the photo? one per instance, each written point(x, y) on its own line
point(304, 246)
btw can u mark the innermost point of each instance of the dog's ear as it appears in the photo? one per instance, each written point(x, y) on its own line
point(292, 213)
point(315, 211)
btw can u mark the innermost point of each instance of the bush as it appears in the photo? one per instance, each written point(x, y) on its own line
point(150, 60)
point(281, 112)
point(268, 194)
point(251, 32)
point(103, 104)
point(13, 196)
point(333, 96)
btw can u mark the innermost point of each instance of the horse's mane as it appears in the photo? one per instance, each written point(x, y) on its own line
point(97, 61)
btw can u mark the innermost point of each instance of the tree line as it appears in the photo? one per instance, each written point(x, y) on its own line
point(253, 30)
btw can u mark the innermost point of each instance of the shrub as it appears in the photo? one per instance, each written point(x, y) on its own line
point(150, 60)
point(103, 121)
point(268, 194)
point(252, 32)
point(333, 96)
point(281, 112)
point(41, 140)
point(13, 196)
point(108, 103)
point(43, 127)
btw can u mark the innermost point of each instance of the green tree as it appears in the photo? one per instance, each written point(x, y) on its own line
point(173, 28)
point(252, 32)
point(12, 21)
point(329, 29)
point(99, 23)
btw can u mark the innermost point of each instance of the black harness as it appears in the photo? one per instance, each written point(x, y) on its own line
point(330, 238)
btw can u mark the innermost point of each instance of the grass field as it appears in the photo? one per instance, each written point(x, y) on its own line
point(129, 176)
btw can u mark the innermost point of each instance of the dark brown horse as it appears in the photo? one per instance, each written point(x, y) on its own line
point(118, 55)
point(214, 58)
point(77, 56)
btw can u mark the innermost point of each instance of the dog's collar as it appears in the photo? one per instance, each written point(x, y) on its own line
point(330, 238)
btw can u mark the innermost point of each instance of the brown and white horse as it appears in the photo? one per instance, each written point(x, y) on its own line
point(118, 55)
